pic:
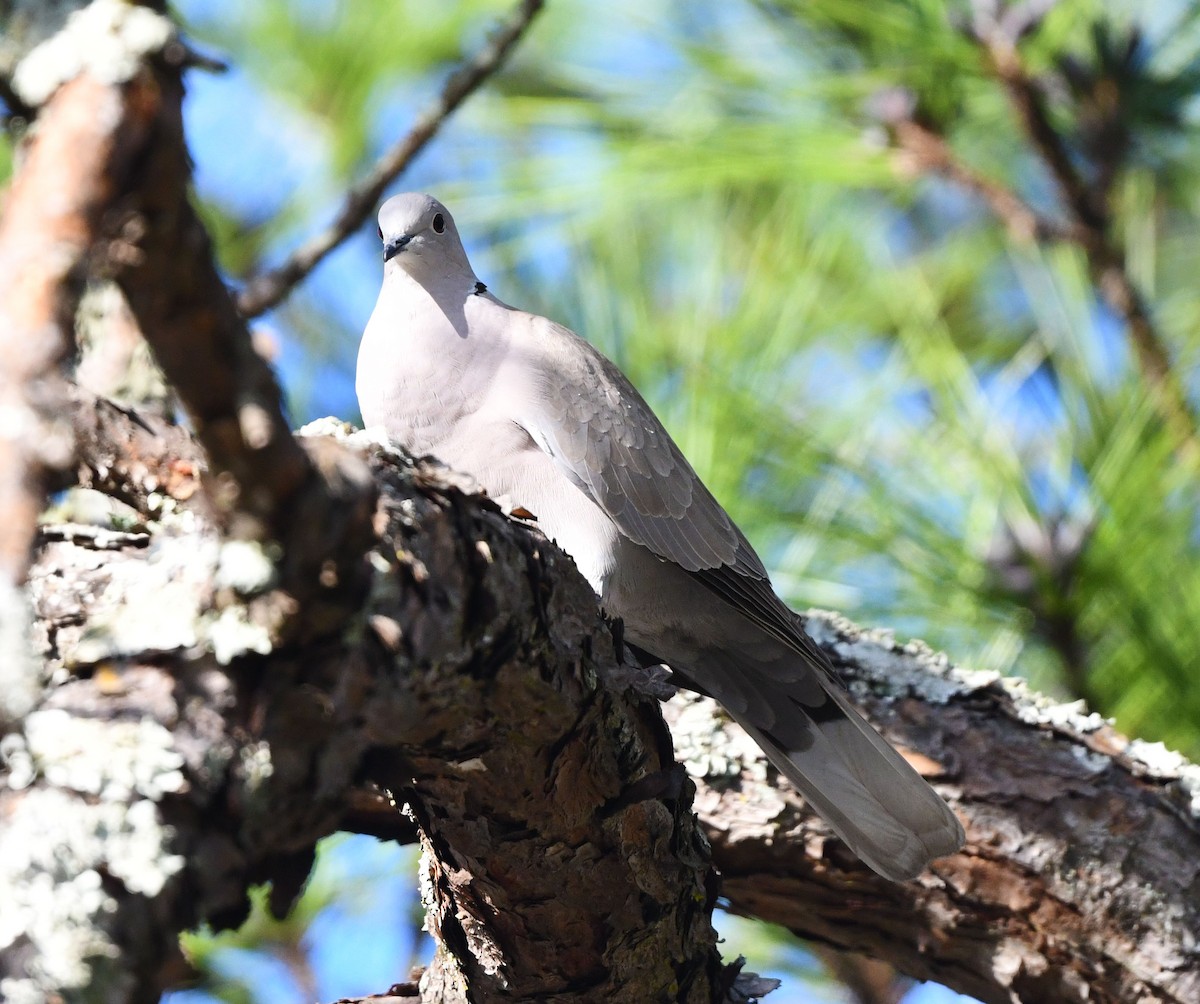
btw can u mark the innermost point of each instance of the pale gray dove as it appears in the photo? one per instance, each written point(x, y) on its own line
point(540, 418)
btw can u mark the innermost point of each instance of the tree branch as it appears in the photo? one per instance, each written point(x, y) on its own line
point(161, 257)
point(997, 29)
point(316, 508)
point(927, 152)
point(478, 686)
point(267, 289)
point(85, 135)
point(1091, 223)
point(1079, 879)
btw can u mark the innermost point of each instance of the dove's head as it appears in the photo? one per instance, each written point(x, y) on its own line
point(419, 237)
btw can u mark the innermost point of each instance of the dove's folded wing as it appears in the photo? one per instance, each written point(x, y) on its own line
point(604, 437)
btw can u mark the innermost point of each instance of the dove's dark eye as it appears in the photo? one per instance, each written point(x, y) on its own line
point(439, 223)
point(379, 230)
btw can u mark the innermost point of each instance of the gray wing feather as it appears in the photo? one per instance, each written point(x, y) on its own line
point(757, 601)
point(606, 439)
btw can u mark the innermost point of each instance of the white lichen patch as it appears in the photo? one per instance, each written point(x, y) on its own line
point(162, 600)
point(914, 668)
point(108, 39)
point(245, 566)
point(20, 673)
point(113, 761)
point(232, 634)
point(371, 440)
point(335, 428)
point(137, 847)
point(1037, 709)
point(53, 848)
point(52, 893)
point(255, 765)
point(898, 668)
point(164, 506)
point(426, 884)
point(708, 746)
point(1159, 761)
point(16, 759)
point(150, 605)
point(95, 813)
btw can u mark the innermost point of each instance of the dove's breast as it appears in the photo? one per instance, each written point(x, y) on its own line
point(520, 474)
point(507, 458)
point(455, 382)
point(419, 375)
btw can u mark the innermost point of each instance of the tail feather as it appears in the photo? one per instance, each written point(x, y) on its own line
point(871, 797)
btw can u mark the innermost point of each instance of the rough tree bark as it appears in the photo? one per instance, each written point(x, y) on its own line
point(286, 631)
point(468, 684)
point(477, 685)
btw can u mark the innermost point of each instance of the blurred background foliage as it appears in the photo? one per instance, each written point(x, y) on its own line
point(922, 417)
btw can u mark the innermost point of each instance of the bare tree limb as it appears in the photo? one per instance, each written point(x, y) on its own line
point(1091, 224)
point(566, 863)
point(927, 152)
point(51, 217)
point(267, 289)
point(1079, 880)
point(479, 687)
point(161, 258)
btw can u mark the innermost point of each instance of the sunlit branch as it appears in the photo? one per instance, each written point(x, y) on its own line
point(52, 214)
point(927, 151)
point(1091, 230)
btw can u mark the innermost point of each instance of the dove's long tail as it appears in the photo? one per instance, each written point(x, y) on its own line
point(862, 787)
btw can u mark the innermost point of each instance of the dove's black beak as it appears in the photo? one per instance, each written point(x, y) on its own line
point(395, 246)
